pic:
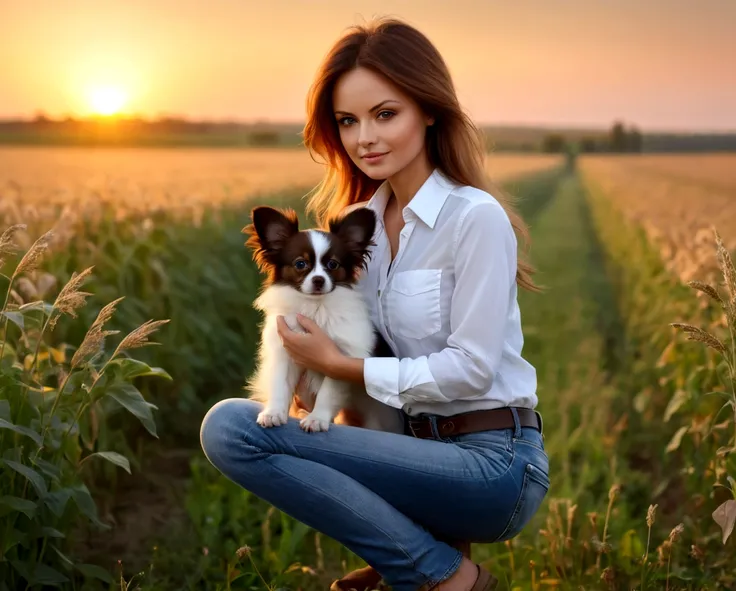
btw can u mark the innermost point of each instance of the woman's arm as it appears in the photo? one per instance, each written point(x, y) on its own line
point(347, 369)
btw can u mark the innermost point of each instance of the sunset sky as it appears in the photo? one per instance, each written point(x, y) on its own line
point(662, 64)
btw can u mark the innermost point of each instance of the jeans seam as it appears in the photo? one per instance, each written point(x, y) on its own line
point(397, 544)
point(364, 459)
point(451, 570)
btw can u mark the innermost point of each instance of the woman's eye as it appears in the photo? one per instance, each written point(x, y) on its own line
point(300, 265)
point(389, 113)
point(332, 264)
point(344, 120)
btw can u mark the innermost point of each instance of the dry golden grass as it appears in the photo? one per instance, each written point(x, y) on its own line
point(676, 199)
point(39, 183)
point(504, 166)
point(715, 170)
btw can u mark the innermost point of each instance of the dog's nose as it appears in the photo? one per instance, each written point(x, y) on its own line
point(318, 282)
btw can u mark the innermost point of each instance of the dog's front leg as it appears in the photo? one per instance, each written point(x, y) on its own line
point(283, 376)
point(331, 397)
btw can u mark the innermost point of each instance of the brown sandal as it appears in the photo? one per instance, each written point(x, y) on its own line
point(362, 579)
point(485, 581)
point(368, 578)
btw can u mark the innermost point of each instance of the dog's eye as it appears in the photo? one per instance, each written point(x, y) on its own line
point(332, 264)
point(300, 264)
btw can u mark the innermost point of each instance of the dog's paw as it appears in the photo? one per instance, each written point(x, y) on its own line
point(312, 423)
point(272, 418)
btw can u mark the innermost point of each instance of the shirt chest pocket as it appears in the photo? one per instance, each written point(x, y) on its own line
point(414, 303)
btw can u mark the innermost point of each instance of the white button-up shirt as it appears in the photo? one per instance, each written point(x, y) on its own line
point(447, 305)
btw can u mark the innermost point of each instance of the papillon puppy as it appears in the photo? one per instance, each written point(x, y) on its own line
point(314, 273)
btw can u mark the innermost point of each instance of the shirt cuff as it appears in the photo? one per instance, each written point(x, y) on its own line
point(381, 376)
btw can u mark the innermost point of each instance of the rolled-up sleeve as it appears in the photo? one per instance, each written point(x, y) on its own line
point(485, 266)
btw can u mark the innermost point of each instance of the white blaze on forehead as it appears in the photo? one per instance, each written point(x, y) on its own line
point(320, 245)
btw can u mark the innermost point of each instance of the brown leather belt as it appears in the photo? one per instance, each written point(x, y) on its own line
point(471, 422)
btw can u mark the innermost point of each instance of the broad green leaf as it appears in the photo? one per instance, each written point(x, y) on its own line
point(22, 430)
point(9, 351)
point(51, 470)
point(45, 575)
point(133, 368)
point(676, 439)
point(37, 306)
point(114, 457)
point(68, 562)
point(725, 517)
point(15, 317)
point(50, 532)
point(5, 410)
point(21, 505)
point(75, 381)
point(129, 397)
point(23, 568)
point(15, 537)
point(34, 477)
point(56, 501)
point(86, 504)
point(97, 572)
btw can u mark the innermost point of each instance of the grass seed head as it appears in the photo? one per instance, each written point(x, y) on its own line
point(7, 246)
point(698, 334)
point(31, 259)
point(243, 552)
point(727, 269)
point(709, 290)
point(139, 336)
point(676, 532)
point(651, 515)
point(70, 298)
point(95, 337)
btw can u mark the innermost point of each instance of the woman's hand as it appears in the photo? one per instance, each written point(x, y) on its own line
point(313, 349)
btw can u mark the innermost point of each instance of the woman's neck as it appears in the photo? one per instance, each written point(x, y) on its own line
point(405, 183)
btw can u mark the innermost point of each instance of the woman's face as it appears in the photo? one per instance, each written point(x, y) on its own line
point(381, 129)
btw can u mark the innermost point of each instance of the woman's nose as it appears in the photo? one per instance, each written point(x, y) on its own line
point(367, 134)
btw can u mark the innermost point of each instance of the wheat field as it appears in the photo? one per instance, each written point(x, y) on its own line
point(44, 183)
point(676, 199)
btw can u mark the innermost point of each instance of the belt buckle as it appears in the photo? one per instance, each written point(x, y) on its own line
point(411, 428)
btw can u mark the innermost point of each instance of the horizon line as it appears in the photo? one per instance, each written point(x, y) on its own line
point(575, 127)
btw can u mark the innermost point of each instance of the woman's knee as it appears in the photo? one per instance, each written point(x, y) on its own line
point(221, 422)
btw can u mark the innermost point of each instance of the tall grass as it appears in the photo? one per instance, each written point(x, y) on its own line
point(55, 404)
point(677, 439)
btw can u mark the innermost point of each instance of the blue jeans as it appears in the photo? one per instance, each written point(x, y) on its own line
point(385, 496)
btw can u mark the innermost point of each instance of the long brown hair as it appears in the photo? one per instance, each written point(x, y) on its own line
point(406, 57)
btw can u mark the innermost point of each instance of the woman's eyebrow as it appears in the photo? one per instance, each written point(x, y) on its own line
point(378, 106)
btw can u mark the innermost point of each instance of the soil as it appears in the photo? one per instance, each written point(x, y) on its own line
point(143, 505)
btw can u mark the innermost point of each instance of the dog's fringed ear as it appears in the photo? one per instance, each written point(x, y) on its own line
point(356, 230)
point(269, 231)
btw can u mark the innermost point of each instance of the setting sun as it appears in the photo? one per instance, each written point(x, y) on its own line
point(107, 100)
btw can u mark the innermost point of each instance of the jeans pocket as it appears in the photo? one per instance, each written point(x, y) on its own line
point(533, 491)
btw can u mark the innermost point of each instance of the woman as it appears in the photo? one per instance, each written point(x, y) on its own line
point(442, 286)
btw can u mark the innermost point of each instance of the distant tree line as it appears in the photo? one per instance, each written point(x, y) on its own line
point(618, 139)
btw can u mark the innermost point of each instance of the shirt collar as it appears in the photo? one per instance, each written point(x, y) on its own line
point(426, 203)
